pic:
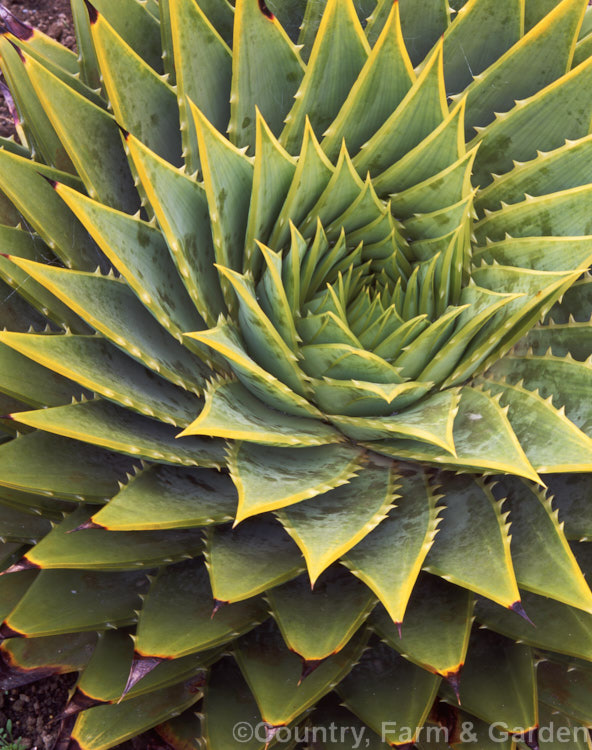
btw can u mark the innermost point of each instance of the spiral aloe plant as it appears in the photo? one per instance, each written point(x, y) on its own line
point(296, 375)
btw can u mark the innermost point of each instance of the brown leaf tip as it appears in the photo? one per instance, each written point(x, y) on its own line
point(93, 13)
point(90, 524)
point(53, 183)
point(308, 667)
point(218, 604)
point(530, 738)
point(7, 632)
point(265, 10)
point(80, 701)
point(24, 564)
point(18, 50)
point(453, 679)
point(519, 609)
point(17, 28)
point(141, 666)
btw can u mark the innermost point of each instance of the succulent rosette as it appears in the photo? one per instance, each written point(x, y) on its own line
point(296, 372)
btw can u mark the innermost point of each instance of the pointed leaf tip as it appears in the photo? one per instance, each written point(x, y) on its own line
point(79, 701)
point(7, 632)
point(218, 604)
point(93, 13)
point(18, 50)
point(519, 609)
point(453, 679)
point(530, 738)
point(87, 525)
point(308, 667)
point(265, 10)
point(141, 666)
point(17, 28)
point(270, 733)
point(24, 564)
point(53, 183)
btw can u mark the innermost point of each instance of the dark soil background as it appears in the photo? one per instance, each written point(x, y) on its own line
point(53, 17)
point(32, 709)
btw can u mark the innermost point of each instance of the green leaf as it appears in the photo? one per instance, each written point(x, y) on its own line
point(228, 180)
point(566, 689)
point(96, 364)
point(230, 411)
point(566, 380)
point(533, 419)
point(389, 559)
point(546, 50)
point(318, 623)
point(381, 86)
point(483, 441)
point(486, 542)
point(528, 129)
point(329, 525)
point(113, 309)
point(203, 69)
point(559, 628)
point(140, 254)
point(90, 136)
point(423, 23)
point(538, 253)
point(272, 178)
point(436, 628)
point(390, 694)
point(133, 22)
point(30, 382)
point(12, 589)
point(88, 65)
point(266, 72)
point(550, 172)
point(467, 51)
point(250, 559)
point(227, 342)
point(419, 113)
point(167, 497)
point(142, 102)
point(95, 549)
point(176, 619)
point(431, 421)
point(46, 213)
point(23, 244)
point(35, 658)
point(180, 205)
point(228, 703)
point(36, 124)
point(67, 601)
point(273, 674)
point(439, 150)
point(22, 527)
point(498, 682)
point(269, 478)
point(110, 426)
point(570, 493)
point(338, 55)
point(555, 572)
point(103, 727)
point(311, 177)
point(59, 467)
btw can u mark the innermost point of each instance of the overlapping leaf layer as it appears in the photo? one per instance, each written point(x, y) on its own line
point(297, 376)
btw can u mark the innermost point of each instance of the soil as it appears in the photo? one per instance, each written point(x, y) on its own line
point(54, 18)
point(33, 712)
